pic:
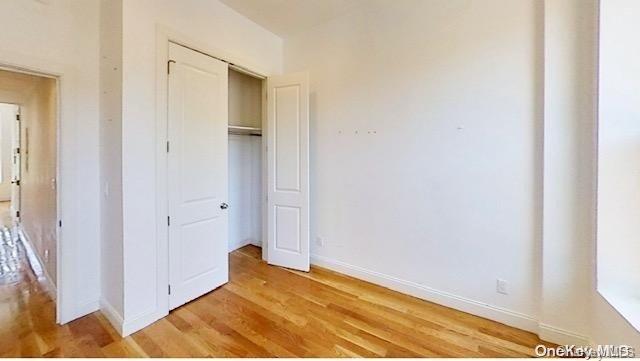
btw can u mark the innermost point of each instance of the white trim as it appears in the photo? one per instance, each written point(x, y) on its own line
point(127, 328)
point(241, 244)
point(66, 156)
point(256, 243)
point(140, 322)
point(561, 336)
point(31, 252)
point(477, 308)
point(111, 314)
point(499, 314)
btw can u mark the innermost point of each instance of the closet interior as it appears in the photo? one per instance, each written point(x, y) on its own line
point(245, 159)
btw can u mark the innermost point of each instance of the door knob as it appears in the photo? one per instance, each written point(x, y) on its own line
point(224, 206)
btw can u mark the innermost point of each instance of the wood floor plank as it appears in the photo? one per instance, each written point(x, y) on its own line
point(264, 311)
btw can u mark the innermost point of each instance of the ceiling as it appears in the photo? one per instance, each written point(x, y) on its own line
point(286, 18)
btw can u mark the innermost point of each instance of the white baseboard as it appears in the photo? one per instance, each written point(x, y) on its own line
point(126, 328)
point(140, 322)
point(560, 336)
point(256, 243)
point(495, 313)
point(112, 315)
point(474, 307)
point(239, 245)
point(246, 242)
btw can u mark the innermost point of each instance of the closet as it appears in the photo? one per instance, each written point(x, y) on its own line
point(237, 170)
point(246, 94)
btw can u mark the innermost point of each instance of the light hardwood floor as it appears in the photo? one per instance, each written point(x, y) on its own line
point(264, 311)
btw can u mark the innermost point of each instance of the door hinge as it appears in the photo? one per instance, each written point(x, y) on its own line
point(17, 214)
point(169, 289)
point(169, 66)
point(17, 116)
point(168, 221)
point(167, 146)
point(17, 150)
point(60, 223)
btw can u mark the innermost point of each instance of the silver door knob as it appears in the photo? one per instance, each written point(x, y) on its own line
point(224, 206)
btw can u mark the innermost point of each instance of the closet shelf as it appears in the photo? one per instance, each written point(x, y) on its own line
point(237, 129)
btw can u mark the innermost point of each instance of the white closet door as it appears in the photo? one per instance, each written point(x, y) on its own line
point(197, 164)
point(288, 171)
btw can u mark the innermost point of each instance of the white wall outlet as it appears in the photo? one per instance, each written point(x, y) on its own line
point(502, 286)
point(320, 241)
point(46, 256)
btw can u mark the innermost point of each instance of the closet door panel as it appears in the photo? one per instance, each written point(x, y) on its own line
point(197, 178)
point(288, 171)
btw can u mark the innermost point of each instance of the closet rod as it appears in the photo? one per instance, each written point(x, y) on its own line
point(240, 130)
point(249, 134)
point(245, 71)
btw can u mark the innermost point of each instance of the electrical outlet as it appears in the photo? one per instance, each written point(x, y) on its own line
point(46, 256)
point(320, 241)
point(502, 286)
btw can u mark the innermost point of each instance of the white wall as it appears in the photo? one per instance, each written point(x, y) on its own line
point(112, 296)
point(568, 136)
point(618, 174)
point(425, 149)
point(245, 100)
point(7, 119)
point(61, 37)
point(245, 190)
point(212, 26)
point(38, 164)
point(619, 145)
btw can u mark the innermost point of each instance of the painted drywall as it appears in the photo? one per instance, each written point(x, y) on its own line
point(61, 37)
point(214, 28)
point(245, 100)
point(619, 146)
point(618, 176)
point(7, 120)
point(112, 279)
point(569, 199)
point(245, 190)
point(425, 120)
point(485, 138)
point(38, 162)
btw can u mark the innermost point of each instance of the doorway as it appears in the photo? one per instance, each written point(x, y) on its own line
point(28, 175)
point(211, 103)
point(9, 170)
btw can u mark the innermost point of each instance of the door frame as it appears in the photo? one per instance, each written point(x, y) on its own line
point(164, 36)
point(62, 293)
point(16, 131)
